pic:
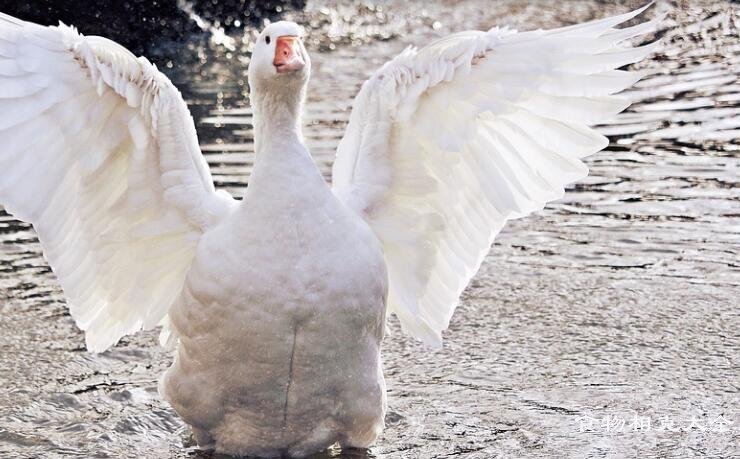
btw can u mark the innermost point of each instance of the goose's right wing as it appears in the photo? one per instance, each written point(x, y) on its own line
point(99, 152)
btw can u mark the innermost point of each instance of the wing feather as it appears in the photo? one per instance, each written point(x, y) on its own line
point(99, 152)
point(446, 144)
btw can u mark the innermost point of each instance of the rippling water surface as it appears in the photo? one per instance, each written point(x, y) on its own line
point(619, 300)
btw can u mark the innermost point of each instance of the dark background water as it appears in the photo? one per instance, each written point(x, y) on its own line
point(143, 25)
point(620, 300)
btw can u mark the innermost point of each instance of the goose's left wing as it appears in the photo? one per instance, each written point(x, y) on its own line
point(446, 144)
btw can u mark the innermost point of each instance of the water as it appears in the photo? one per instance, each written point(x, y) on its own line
point(618, 300)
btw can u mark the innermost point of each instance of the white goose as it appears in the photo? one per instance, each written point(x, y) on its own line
point(276, 304)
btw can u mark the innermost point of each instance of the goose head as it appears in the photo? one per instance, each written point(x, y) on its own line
point(280, 64)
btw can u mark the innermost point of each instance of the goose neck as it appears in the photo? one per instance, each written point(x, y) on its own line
point(277, 120)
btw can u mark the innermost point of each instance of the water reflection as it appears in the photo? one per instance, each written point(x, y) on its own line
point(332, 453)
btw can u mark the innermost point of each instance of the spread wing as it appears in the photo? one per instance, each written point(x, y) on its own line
point(99, 152)
point(446, 144)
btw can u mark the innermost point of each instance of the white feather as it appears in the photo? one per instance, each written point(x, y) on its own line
point(100, 154)
point(473, 130)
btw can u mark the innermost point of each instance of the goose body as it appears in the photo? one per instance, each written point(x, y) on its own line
point(275, 305)
point(289, 342)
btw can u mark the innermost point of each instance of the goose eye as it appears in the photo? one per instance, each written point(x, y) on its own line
point(267, 39)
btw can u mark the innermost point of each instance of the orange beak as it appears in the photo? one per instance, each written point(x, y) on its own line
point(288, 55)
